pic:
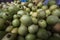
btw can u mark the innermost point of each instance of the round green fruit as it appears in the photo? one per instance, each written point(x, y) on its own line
point(9, 28)
point(33, 28)
point(5, 16)
point(15, 22)
point(52, 7)
point(34, 8)
point(34, 20)
point(48, 12)
point(52, 2)
point(30, 37)
point(22, 30)
point(27, 10)
point(43, 34)
point(21, 12)
point(52, 19)
point(44, 7)
point(42, 14)
point(39, 4)
point(56, 12)
point(42, 23)
point(30, 5)
point(26, 20)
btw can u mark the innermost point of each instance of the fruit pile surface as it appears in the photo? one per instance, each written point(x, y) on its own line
point(27, 21)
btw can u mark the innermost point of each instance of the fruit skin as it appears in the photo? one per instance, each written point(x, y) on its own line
point(9, 36)
point(30, 5)
point(48, 12)
point(34, 8)
point(42, 23)
point(41, 14)
point(51, 2)
point(14, 30)
point(30, 37)
point(34, 14)
point(56, 12)
point(2, 34)
point(15, 16)
point(44, 7)
point(26, 20)
point(12, 9)
point(27, 10)
point(34, 20)
point(22, 30)
point(53, 7)
point(20, 38)
point(43, 34)
point(15, 22)
point(5, 15)
point(52, 19)
point(33, 28)
point(39, 4)
point(20, 12)
point(9, 28)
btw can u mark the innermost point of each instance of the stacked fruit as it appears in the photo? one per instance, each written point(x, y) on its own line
point(27, 21)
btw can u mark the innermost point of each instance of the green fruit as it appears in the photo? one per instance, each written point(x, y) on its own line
point(21, 12)
point(2, 34)
point(11, 9)
point(52, 19)
point(43, 34)
point(9, 28)
point(56, 13)
point(30, 37)
point(14, 30)
point(34, 14)
point(27, 10)
point(42, 14)
point(22, 30)
point(30, 5)
point(5, 15)
point(34, 8)
point(15, 16)
point(44, 7)
point(1, 13)
point(52, 2)
point(48, 12)
point(39, 4)
point(42, 23)
point(26, 20)
point(33, 28)
point(4, 10)
point(34, 20)
point(9, 36)
point(52, 7)
point(20, 38)
point(39, 10)
point(15, 22)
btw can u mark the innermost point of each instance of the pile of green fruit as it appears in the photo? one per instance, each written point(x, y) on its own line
point(26, 21)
